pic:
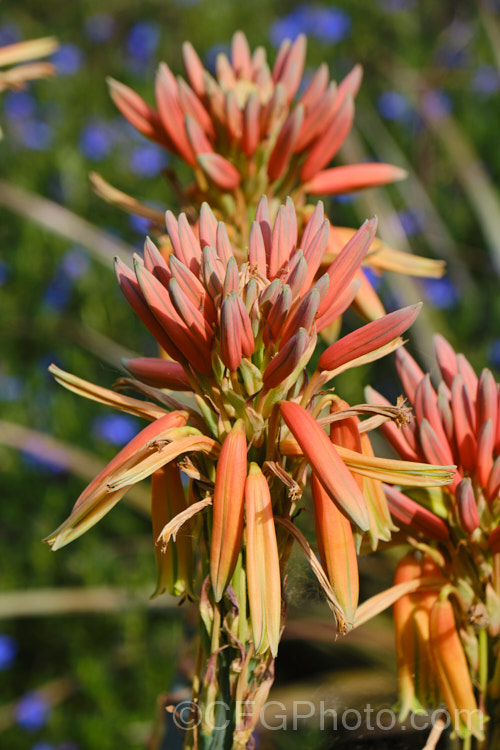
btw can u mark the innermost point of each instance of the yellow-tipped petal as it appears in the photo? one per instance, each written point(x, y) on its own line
point(98, 498)
point(105, 396)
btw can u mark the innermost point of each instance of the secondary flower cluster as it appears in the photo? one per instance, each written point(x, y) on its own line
point(239, 329)
point(245, 130)
point(459, 536)
point(254, 131)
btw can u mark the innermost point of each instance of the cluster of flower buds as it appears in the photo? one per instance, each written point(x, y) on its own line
point(245, 130)
point(457, 424)
point(246, 134)
point(458, 525)
point(239, 329)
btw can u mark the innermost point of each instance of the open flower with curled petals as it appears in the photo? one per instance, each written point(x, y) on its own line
point(456, 421)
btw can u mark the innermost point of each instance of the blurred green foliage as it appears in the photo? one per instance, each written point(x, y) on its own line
point(59, 304)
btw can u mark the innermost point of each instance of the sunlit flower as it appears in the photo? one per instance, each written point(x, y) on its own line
point(248, 132)
point(247, 129)
point(238, 330)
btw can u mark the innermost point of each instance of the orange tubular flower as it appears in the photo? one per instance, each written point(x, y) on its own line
point(452, 671)
point(227, 526)
point(263, 567)
point(173, 564)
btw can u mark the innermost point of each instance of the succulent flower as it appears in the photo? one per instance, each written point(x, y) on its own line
point(247, 129)
point(239, 331)
point(247, 133)
point(455, 526)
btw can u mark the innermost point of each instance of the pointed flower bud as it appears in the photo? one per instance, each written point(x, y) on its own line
point(326, 463)
point(227, 525)
point(453, 673)
point(466, 506)
point(368, 338)
point(219, 170)
point(417, 518)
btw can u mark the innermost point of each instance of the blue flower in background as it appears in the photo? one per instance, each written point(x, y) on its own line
point(486, 80)
point(32, 711)
point(139, 224)
point(11, 389)
point(326, 24)
point(43, 746)
point(344, 198)
point(68, 59)
point(116, 429)
point(100, 27)
point(96, 140)
point(374, 278)
point(148, 160)
point(288, 27)
point(395, 106)
point(35, 134)
point(8, 650)
point(329, 24)
point(38, 456)
point(494, 353)
point(441, 293)
point(75, 263)
point(58, 293)
point(19, 105)
point(4, 272)
point(9, 34)
point(413, 222)
point(142, 41)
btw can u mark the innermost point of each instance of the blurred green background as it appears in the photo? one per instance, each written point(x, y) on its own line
point(83, 656)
